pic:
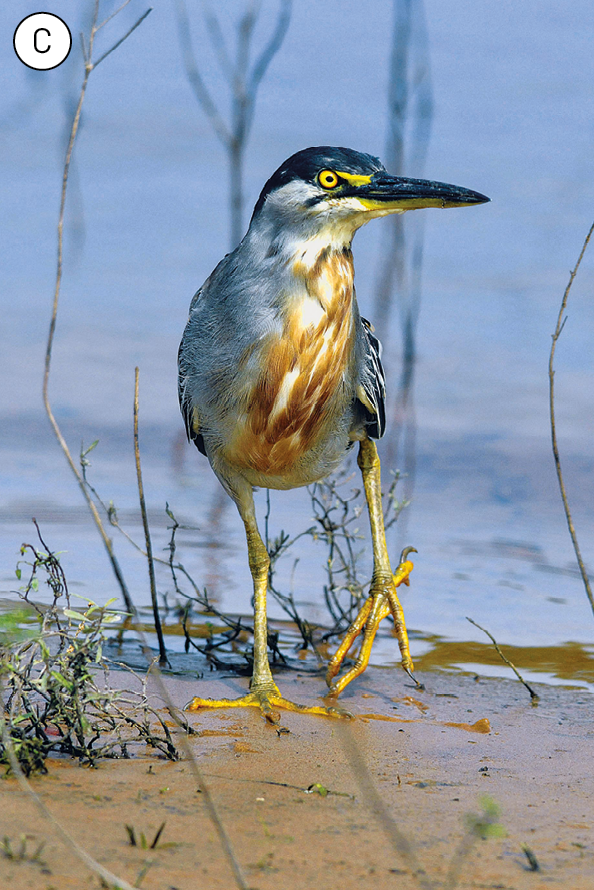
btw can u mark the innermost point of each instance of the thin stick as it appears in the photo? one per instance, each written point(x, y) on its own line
point(191, 758)
point(273, 45)
point(89, 65)
point(147, 535)
point(560, 325)
point(125, 37)
point(156, 673)
point(196, 82)
point(243, 85)
point(200, 781)
point(218, 41)
point(400, 843)
point(113, 15)
point(533, 695)
point(210, 806)
point(194, 767)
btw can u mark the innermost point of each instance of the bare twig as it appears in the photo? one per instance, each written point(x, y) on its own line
point(533, 695)
point(206, 797)
point(197, 772)
point(276, 548)
point(560, 325)
point(335, 513)
point(272, 47)
point(89, 66)
point(193, 74)
point(218, 41)
point(164, 692)
point(113, 15)
point(243, 85)
point(200, 597)
point(399, 842)
point(125, 37)
point(147, 535)
point(410, 111)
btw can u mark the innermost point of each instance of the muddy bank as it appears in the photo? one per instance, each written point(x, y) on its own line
point(426, 766)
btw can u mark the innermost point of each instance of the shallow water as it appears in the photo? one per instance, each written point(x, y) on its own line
point(147, 222)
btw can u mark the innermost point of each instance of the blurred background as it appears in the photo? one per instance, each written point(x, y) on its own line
point(493, 96)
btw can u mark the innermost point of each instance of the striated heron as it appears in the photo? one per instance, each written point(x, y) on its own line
point(279, 374)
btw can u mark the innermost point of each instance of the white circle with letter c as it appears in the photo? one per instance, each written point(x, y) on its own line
point(42, 41)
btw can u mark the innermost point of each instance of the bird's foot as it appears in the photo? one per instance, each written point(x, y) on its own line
point(268, 700)
point(382, 601)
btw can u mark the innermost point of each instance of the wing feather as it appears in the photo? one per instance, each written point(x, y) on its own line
point(187, 407)
point(373, 384)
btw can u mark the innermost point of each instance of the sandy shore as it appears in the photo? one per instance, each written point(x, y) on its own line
point(409, 779)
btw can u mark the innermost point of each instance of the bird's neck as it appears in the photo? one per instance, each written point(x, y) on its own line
point(324, 273)
point(313, 270)
point(317, 311)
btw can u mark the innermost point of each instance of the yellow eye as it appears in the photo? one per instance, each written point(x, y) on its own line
point(328, 179)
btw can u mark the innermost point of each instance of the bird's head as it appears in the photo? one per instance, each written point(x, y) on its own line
point(337, 190)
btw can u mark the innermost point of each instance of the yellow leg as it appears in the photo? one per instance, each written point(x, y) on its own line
point(373, 611)
point(383, 598)
point(350, 637)
point(264, 692)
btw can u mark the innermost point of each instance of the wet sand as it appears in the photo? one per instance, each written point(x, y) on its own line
point(425, 767)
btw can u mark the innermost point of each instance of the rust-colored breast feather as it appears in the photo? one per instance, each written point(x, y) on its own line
point(300, 384)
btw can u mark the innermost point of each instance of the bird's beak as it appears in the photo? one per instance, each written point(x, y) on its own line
point(385, 192)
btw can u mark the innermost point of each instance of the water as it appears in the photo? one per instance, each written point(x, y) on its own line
point(147, 221)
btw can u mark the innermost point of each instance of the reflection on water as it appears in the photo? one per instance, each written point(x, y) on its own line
point(570, 662)
point(510, 120)
point(566, 664)
point(474, 557)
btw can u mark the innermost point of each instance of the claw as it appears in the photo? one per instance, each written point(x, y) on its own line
point(418, 684)
point(405, 553)
point(381, 601)
point(334, 711)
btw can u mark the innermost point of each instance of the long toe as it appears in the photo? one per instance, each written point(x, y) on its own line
point(269, 704)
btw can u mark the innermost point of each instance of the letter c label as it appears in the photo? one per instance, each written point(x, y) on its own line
point(36, 45)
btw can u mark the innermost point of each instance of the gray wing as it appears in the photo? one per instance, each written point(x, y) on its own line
point(372, 393)
point(185, 399)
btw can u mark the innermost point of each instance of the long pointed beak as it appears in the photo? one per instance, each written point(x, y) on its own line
point(385, 192)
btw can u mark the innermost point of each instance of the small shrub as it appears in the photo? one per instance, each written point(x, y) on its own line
point(54, 677)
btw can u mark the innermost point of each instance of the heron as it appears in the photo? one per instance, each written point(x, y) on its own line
point(279, 375)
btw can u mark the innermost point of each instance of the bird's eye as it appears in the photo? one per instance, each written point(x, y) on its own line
point(328, 179)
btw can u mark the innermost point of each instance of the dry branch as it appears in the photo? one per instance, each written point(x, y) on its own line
point(147, 535)
point(110, 879)
point(560, 325)
point(533, 695)
point(90, 65)
point(410, 112)
point(242, 83)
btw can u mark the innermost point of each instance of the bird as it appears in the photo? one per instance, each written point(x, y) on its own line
point(279, 375)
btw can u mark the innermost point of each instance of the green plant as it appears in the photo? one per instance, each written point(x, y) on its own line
point(479, 826)
point(56, 694)
point(142, 841)
point(21, 854)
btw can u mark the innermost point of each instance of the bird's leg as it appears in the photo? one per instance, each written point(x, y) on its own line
point(264, 692)
point(259, 565)
point(382, 598)
point(383, 582)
